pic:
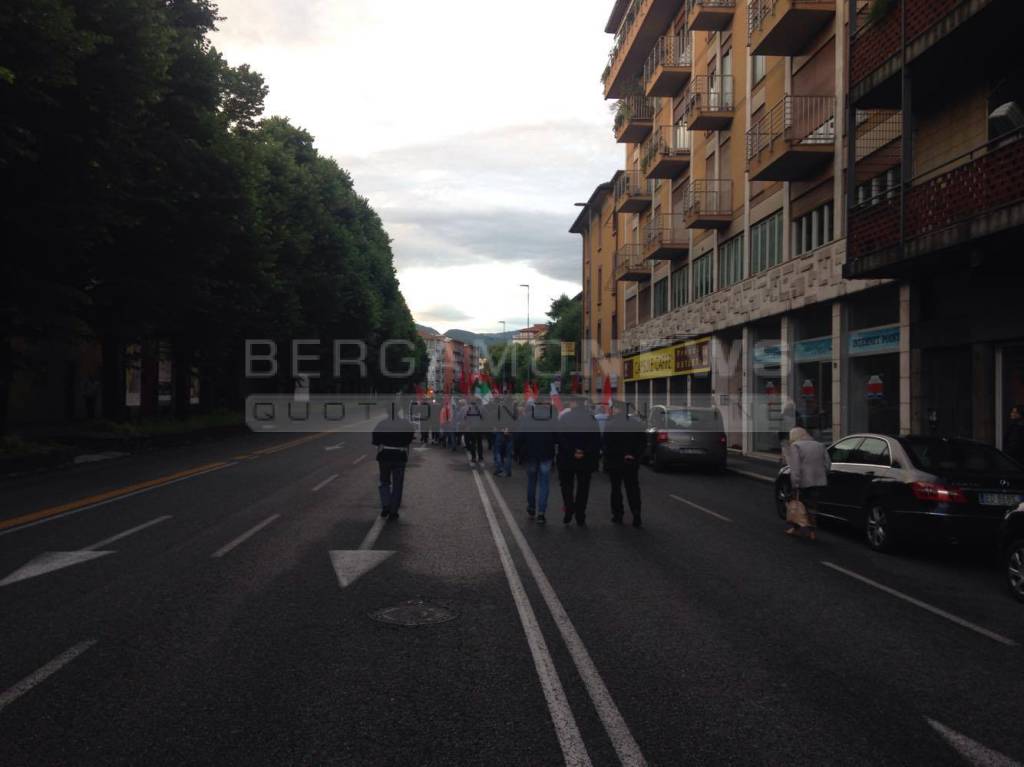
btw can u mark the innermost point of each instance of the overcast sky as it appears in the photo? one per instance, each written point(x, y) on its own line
point(472, 126)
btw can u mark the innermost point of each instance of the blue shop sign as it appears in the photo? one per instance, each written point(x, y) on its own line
point(813, 350)
point(768, 355)
point(874, 341)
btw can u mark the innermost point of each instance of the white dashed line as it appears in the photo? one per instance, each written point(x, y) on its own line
point(360, 458)
point(923, 605)
point(126, 533)
point(325, 483)
point(971, 750)
point(243, 537)
point(700, 508)
point(38, 677)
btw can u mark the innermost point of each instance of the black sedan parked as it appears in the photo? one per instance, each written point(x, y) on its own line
point(917, 488)
point(1011, 547)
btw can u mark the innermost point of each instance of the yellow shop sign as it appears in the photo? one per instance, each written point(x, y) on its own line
point(682, 359)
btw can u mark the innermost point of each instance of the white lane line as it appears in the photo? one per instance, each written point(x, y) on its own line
point(971, 750)
point(125, 534)
point(38, 677)
point(329, 448)
point(923, 605)
point(325, 483)
point(113, 500)
point(752, 475)
point(360, 458)
point(618, 732)
point(373, 535)
point(700, 508)
point(243, 537)
point(569, 739)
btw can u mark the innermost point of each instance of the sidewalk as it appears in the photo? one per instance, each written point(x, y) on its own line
point(763, 469)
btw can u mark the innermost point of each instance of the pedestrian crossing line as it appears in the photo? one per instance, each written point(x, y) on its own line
point(243, 537)
point(923, 605)
point(701, 508)
point(38, 677)
point(615, 726)
point(574, 751)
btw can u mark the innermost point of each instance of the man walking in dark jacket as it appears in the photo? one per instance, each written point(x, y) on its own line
point(535, 441)
point(392, 437)
point(624, 443)
point(579, 447)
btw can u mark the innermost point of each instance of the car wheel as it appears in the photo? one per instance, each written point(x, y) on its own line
point(1015, 568)
point(781, 496)
point(877, 530)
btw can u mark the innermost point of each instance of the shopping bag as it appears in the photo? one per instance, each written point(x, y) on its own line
point(796, 513)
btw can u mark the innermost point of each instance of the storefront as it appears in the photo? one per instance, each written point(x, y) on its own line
point(812, 386)
point(673, 375)
point(873, 394)
point(770, 410)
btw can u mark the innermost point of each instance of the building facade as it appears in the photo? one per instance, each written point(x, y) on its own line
point(736, 283)
point(450, 363)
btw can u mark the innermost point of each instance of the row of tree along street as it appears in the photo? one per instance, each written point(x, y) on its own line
point(149, 206)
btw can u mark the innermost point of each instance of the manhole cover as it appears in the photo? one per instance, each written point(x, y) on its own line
point(414, 613)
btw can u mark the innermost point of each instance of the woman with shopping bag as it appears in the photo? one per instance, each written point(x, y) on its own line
point(809, 464)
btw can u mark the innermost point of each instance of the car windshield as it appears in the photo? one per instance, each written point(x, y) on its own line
point(686, 418)
point(943, 456)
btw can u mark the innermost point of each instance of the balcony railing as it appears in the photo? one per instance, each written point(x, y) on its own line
point(708, 104)
point(632, 192)
point(634, 117)
point(630, 264)
point(666, 237)
point(786, 27)
point(709, 15)
point(793, 139)
point(641, 26)
point(669, 66)
point(668, 152)
point(708, 203)
point(943, 207)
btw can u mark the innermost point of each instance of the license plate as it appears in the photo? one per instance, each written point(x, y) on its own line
point(998, 499)
point(692, 451)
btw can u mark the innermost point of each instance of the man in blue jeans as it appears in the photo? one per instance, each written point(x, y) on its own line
point(503, 421)
point(535, 441)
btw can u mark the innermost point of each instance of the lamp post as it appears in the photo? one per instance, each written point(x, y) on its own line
point(504, 330)
point(524, 285)
point(529, 346)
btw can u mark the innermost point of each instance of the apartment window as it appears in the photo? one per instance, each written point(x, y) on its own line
point(600, 338)
point(730, 262)
point(615, 329)
point(680, 280)
point(630, 312)
point(760, 68)
point(600, 285)
point(766, 243)
point(703, 277)
point(661, 296)
point(814, 229)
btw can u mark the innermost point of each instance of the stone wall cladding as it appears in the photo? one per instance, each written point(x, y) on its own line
point(802, 281)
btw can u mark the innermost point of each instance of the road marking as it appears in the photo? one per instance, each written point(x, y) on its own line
point(569, 739)
point(38, 677)
point(350, 565)
point(126, 533)
point(971, 750)
point(329, 448)
point(360, 458)
point(290, 444)
point(243, 537)
point(325, 483)
point(618, 732)
point(752, 475)
point(373, 535)
point(701, 508)
point(924, 605)
point(74, 507)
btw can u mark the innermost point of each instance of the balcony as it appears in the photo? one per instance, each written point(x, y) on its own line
point(668, 152)
point(786, 27)
point(794, 140)
point(632, 192)
point(977, 195)
point(634, 119)
point(708, 204)
point(666, 238)
point(643, 22)
point(668, 68)
point(630, 265)
point(709, 102)
point(709, 15)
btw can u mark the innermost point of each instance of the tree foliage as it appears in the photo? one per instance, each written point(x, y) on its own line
point(148, 200)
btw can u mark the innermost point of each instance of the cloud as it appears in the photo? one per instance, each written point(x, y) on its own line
point(445, 314)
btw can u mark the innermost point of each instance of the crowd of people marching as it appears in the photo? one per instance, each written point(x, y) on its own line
point(541, 433)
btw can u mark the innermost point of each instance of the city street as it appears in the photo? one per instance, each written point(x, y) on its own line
point(212, 605)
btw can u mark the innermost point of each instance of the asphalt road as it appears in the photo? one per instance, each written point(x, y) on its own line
point(194, 615)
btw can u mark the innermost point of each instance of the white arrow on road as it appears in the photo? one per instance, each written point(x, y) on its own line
point(975, 753)
point(52, 561)
point(349, 566)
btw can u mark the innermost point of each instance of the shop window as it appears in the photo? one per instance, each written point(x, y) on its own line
point(766, 243)
point(703, 279)
point(661, 297)
point(680, 284)
point(730, 262)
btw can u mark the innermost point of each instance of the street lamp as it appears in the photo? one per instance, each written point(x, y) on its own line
point(504, 330)
point(524, 285)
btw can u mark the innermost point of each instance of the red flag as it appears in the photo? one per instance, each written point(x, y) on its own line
point(556, 399)
point(607, 396)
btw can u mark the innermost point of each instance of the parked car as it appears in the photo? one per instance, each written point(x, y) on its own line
point(1011, 549)
point(678, 436)
point(917, 488)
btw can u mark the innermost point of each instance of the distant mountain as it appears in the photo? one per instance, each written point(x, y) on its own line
point(425, 329)
point(486, 339)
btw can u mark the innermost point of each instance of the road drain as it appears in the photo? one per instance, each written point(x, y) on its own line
point(413, 613)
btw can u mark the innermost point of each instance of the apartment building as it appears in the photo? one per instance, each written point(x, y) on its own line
point(450, 363)
point(940, 83)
